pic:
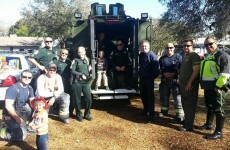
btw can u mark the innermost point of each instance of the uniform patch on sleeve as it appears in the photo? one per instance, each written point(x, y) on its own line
point(36, 52)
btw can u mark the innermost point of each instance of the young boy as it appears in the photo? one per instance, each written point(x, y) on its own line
point(102, 66)
point(40, 122)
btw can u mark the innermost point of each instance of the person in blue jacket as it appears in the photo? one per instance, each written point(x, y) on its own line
point(148, 71)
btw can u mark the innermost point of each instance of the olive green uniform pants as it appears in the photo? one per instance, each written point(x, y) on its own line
point(84, 88)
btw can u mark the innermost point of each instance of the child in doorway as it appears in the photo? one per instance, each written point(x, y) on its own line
point(40, 122)
point(102, 66)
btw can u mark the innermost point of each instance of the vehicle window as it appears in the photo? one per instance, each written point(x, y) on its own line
point(14, 63)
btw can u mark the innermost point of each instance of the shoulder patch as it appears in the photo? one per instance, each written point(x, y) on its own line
point(36, 52)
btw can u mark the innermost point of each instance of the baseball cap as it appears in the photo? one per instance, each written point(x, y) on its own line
point(52, 66)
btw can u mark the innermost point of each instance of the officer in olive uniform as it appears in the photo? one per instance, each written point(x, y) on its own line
point(169, 66)
point(42, 57)
point(63, 69)
point(121, 63)
point(81, 73)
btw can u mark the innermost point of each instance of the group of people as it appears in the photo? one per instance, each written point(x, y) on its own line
point(114, 60)
point(18, 115)
point(62, 82)
point(58, 90)
point(182, 77)
point(50, 95)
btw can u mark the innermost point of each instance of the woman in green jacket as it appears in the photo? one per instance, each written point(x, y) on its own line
point(81, 73)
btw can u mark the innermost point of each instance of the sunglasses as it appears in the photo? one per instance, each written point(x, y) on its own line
point(169, 47)
point(48, 41)
point(64, 53)
point(52, 69)
point(119, 44)
point(26, 77)
point(209, 44)
point(187, 45)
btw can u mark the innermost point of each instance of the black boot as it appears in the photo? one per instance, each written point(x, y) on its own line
point(219, 126)
point(209, 121)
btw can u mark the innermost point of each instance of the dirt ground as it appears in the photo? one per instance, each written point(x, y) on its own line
point(117, 124)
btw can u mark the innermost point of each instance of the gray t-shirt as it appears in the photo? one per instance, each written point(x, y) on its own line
point(25, 94)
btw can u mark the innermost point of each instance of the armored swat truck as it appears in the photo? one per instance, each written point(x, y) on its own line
point(115, 24)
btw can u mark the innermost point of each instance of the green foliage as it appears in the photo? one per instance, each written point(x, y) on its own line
point(51, 17)
point(161, 35)
point(198, 17)
point(22, 31)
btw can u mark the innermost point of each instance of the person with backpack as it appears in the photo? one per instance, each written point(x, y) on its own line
point(17, 111)
point(169, 66)
point(214, 79)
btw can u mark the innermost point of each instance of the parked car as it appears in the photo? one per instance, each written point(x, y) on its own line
point(11, 66)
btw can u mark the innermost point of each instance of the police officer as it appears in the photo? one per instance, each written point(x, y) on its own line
point(214, 76)
point(189, 84)
point(169, 65)
point(63, 69)
point(42, 57)
point(148, 71)
point(104, 44)
point(121, 63)
point(81, 72)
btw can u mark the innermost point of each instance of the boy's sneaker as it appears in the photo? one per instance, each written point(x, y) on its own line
point(96, 88)
point(107, 88)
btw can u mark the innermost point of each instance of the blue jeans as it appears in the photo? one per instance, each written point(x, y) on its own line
point(41, 142)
